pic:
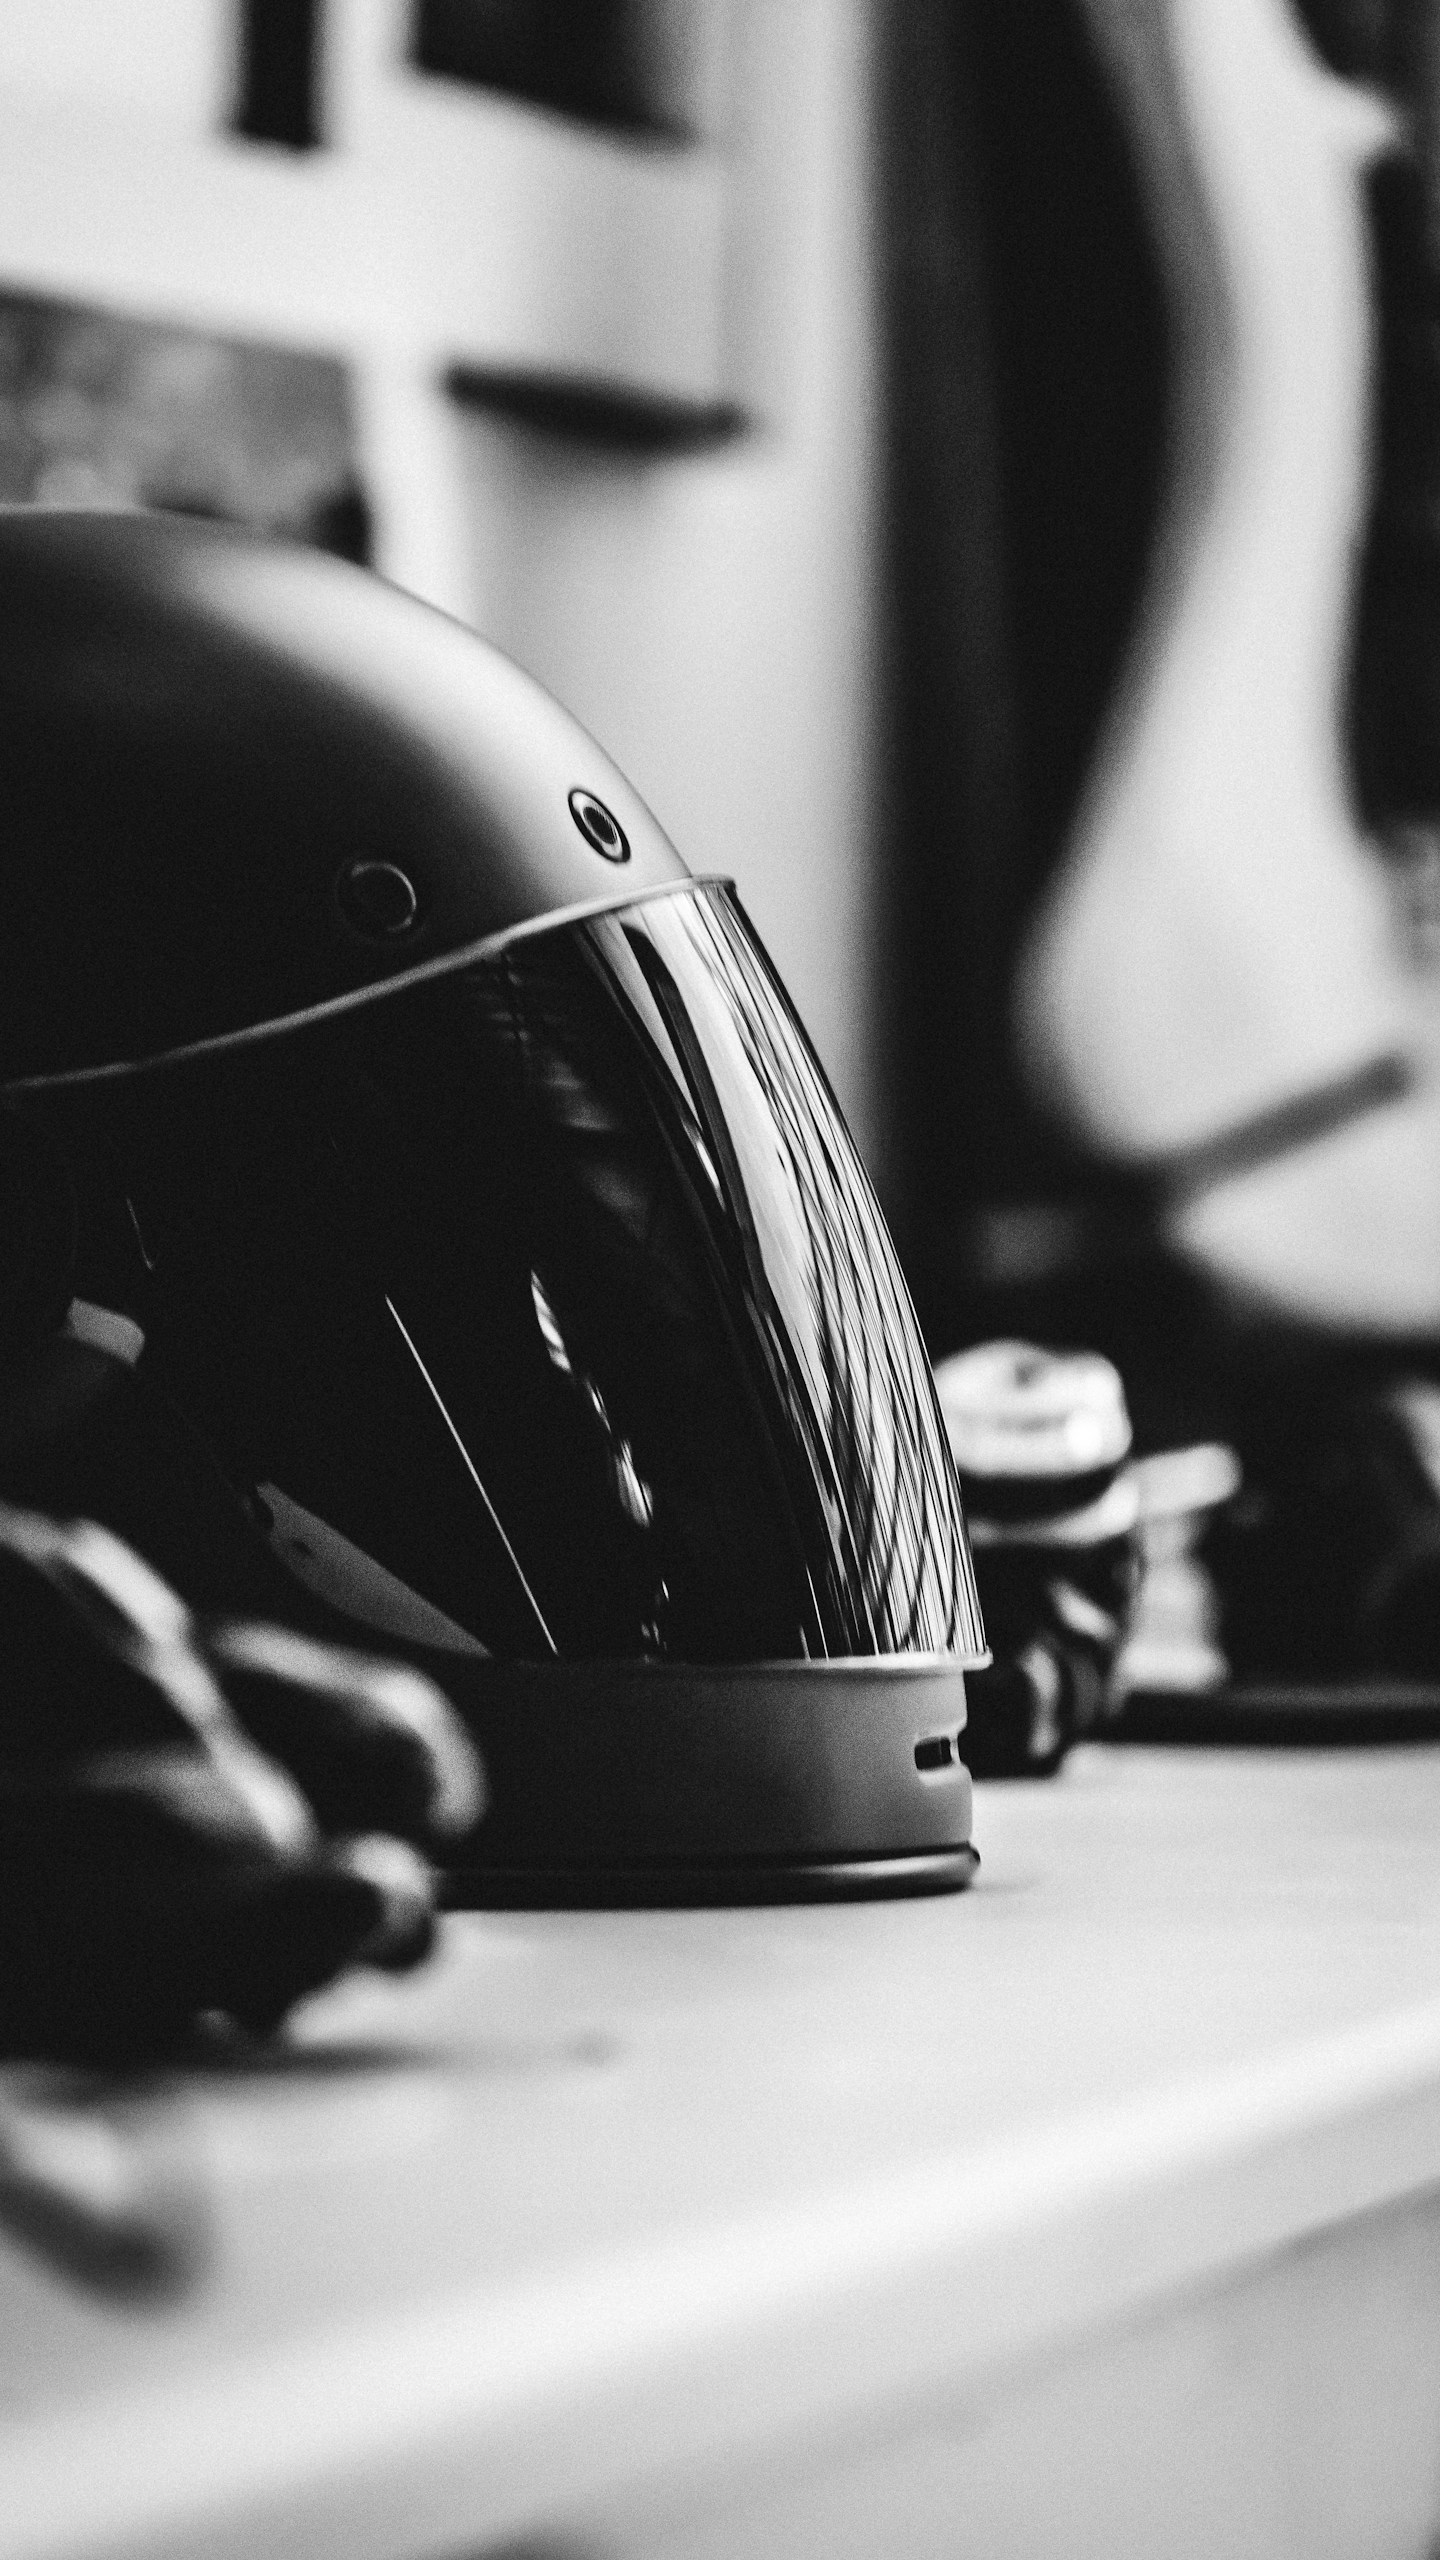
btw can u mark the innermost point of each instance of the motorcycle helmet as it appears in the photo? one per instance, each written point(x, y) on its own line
point(484, 1216)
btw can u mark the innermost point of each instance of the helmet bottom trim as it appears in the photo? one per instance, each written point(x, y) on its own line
point(655, 1775)
point(676, 1884)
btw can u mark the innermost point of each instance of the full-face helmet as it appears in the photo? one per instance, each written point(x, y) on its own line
point(484, 1214)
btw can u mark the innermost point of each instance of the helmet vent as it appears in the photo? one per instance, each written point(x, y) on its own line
point(377, 898)
point(936, 1751)
point(600, 829)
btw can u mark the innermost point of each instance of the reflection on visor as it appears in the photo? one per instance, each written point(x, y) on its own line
point(545, 1304)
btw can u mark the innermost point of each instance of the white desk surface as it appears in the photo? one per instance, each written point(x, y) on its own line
point(607, 2205)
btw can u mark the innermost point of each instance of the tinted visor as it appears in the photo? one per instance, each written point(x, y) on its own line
point(544, 1305)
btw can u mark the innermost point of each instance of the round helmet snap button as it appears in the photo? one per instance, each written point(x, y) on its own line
point(377, 898)
point(601, 831)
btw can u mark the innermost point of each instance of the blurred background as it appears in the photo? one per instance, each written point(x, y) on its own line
point(904, 432)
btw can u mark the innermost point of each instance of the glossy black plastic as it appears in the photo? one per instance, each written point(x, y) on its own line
point(543, 1307)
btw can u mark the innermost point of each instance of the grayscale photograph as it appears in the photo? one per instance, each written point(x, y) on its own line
point(720, 1280)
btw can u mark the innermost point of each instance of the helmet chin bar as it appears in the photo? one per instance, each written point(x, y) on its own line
point(653, 1782)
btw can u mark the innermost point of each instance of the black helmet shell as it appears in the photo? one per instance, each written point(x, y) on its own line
point(487, 1237)
point(241, 783)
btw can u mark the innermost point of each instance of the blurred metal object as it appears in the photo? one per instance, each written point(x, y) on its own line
point(1042, 1441)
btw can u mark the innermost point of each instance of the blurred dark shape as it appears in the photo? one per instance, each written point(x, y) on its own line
point(1394, 702)
point(1358, 38)
point(1393, 710)
point(194, 1817)
point(1330, 1565)
point(599, 60)
point(1025, 354)
point(102, 2186)
point(602, 416)
point(1320, 1575)
point(278, 89)
point(101, 409)
point(1056, 1615)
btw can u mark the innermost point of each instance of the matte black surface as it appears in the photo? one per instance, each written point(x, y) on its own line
point(200, 732)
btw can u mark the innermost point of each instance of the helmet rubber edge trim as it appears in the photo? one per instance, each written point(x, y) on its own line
point(490, 946)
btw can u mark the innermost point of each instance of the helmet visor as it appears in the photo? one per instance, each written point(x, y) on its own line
point(542, 1305)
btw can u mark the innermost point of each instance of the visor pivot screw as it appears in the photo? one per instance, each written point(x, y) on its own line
point(602, 832)
point(377, 898)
